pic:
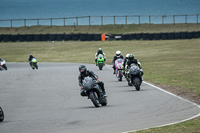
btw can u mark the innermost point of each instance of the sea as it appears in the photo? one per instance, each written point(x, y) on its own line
point(70, 9)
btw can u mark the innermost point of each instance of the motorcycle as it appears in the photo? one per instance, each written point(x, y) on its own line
point(33, 63)
point(100, 61)
point(94, 92)
point(3, 65)
point(119, 67)
point(134, 76)
point(1, 114)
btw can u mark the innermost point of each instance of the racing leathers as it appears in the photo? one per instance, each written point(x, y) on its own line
point(100, 52)
point(114, 59)
point(92, 75)
point(30, 58)
point(127, 66)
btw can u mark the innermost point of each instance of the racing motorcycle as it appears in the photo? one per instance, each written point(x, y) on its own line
point(100, 61)
point(3, 65)
point(119, 68)
point(134, 76)
point(1, 114)
point(94, 92)
point(34, 63)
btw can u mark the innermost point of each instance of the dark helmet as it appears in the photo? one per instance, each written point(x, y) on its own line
point(131, 57)
point(82, 69)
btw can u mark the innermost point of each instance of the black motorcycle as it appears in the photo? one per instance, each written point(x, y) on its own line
point(135, 77)
point(1, 114)
point(94, 92)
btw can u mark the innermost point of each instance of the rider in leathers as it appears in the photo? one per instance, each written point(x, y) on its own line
point(100, 51)
point(117, 56)
point(30, 58)
point(130, 61)
point(84, 73)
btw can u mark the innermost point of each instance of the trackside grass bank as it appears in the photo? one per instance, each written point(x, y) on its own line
point(107, 29)
point(171, 64)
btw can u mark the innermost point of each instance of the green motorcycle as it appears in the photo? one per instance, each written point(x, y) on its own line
point(100, 61)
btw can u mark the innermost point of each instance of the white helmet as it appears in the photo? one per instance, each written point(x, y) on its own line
point(118, 53)
point(127, 55)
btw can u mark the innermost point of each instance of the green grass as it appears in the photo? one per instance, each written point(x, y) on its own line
point(191, 126)
point(174, 63)
point(107, 29)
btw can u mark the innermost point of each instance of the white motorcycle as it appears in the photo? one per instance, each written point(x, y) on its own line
point(3, 65)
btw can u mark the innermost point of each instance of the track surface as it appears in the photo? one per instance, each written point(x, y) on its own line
point(47, 100)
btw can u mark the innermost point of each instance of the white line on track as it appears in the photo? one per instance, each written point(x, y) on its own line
point(174, 96)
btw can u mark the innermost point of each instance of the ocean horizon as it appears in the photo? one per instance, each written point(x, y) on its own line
point(37, 9)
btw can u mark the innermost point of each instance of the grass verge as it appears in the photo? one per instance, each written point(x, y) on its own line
point(107, 29)
point(170, 64)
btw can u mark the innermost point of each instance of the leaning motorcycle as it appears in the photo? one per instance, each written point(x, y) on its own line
point(34, 63)
point(1, 114)
point(119, 68)
point(100, 61)
point(94, 92)
point(3, 65)
point(134, 76)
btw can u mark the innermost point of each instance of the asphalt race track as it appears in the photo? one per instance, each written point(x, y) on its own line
point(47, 100)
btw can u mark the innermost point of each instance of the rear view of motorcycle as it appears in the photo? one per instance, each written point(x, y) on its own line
point(3, 65)
point(94, 92)
point(1, 114)
point(34, 64)
point(134, 76)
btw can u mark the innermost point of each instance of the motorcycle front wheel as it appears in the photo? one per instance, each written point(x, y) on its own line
point(5, 67)
point(1, 115)
point(136, 83)
point(94, 98)
point(100, 66)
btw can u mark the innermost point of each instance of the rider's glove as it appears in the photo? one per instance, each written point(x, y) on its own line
point(97, 80)
point(81, 87)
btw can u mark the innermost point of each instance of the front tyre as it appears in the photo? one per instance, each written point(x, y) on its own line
point(100, 66)
point(1, 115)
point(137, 84)
point(5, 67)
point(120, 75)
point(94, 98)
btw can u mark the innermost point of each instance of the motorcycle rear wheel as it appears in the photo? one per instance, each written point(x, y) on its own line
point(104, 102)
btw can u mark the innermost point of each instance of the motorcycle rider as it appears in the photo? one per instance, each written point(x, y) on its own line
point(100, 51)
point(126, 59)
point(84, 73)
point(117, 56)
point(30, 58)
point(131, 60)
